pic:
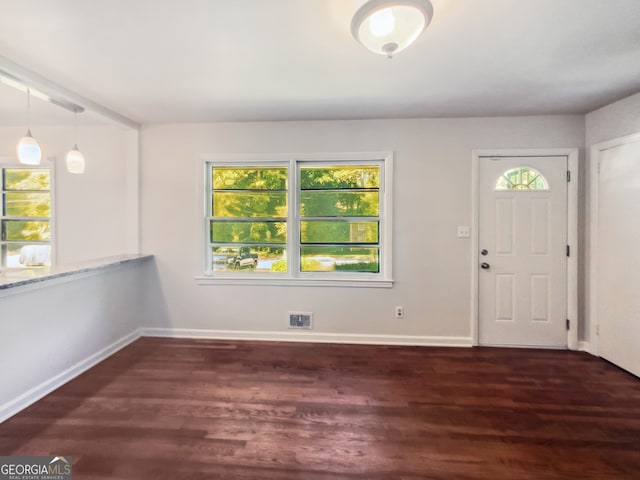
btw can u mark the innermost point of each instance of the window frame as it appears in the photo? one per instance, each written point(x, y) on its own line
point(294, 276)
point(5, 164)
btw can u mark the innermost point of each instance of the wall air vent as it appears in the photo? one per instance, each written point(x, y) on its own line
point(301, 320)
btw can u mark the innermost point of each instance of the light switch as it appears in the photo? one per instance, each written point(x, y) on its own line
point(464, 231)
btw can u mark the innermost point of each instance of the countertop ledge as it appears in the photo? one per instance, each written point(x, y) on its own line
point(19, 278)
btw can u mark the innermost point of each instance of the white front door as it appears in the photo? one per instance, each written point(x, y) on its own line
point(522, 236)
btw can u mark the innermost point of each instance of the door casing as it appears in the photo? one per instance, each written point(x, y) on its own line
point(572, 232)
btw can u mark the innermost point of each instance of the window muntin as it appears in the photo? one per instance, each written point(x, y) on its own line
point(247, 232)
point(316, 218)
point(522, 178)
point(25, 223)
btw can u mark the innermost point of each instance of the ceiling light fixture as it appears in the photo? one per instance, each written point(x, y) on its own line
point(29, 152)
point(75, 158)
point(389, 26)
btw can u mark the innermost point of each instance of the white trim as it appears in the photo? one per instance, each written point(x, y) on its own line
point(302, 156)
point(572, 231)
point(51, 163)
point(203, 184)
point(591, 308)
point(269, 279)
point(585, 347)
point(307, 336)
point(572, 241)
point(386, 219)
point(32, 80)
point(475, 292)
point(293, 219)
point(592, 230)
point(10, 408)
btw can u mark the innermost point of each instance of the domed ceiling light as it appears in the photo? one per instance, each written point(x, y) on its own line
point(389, 26)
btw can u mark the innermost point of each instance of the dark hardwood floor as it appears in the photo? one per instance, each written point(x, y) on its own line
point(200, 409)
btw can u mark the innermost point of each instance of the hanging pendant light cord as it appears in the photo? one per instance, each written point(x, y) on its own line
point(28, 109)
point(75, 128)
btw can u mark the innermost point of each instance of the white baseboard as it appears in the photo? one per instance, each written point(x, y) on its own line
point(306, 336)
point(585, 347)
point(21, 402)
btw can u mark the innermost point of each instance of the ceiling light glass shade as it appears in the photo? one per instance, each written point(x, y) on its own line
point(75, 160)
point(29, 152)
point(389, 26)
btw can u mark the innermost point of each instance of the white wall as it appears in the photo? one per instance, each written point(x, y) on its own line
point(93, 210)
point(52, 332)
point(613, 121)
point(432, 196)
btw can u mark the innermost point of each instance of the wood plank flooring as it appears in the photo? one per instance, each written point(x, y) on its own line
point(203, 409)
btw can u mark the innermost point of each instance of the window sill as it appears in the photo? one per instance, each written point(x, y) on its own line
point(295, 282)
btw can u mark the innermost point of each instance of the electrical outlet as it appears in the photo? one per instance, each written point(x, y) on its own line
point(399, 312)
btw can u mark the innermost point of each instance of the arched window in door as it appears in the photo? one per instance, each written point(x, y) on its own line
point(522, 178)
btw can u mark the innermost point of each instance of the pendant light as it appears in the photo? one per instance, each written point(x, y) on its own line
point(389, 26)
point(75, 158)
point(29, 152)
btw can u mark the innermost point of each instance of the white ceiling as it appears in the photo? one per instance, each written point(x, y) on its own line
point(158, 61)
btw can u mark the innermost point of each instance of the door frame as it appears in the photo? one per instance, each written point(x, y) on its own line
point(572, 231)
point(591, 343)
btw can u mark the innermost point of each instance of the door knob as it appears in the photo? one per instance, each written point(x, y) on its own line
point(485, 265)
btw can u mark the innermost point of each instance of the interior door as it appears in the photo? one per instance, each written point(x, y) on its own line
point(618, 267)
point(523, 251)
